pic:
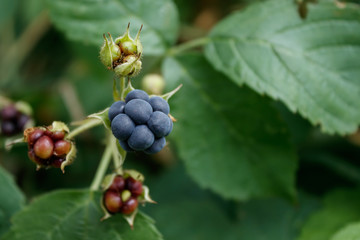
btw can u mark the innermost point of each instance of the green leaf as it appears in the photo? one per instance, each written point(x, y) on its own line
point(340, 208)
point(75, 214)
point(87, 20)
point(12, 200)
point(200, 215)
point(350, 232)
point(312, 65)
point(232, 141)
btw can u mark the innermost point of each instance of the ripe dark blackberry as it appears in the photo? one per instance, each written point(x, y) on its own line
point(115, 109)
point(138, 110)
point(159, 124)
point(159, 104)
point(122, 126)
point(141, 138)
point(137, 94)
point(141, 122)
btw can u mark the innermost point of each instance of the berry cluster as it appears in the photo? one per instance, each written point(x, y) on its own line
point(47, 148)
point(122, 195)
point(141, 123)
point(12, 120)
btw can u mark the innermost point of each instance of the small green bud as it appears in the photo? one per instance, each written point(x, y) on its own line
point(128, 45)
point(130, 67)
point(110, 52)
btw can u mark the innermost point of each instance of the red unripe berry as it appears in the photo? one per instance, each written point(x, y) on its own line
point(58, 135)
point(112, 201)
point(44, 147)
point(61, 147)
point(56, 162)
point(135, 187)
point(48, 133)
point(33, 157)
point(129, 206)
point(118, 184)
point(35, 135)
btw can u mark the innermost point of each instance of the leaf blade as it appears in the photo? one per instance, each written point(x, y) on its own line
point(12, 200)
point(75, 214)
point(306, 64)
point(87, 20)
point(235, 153)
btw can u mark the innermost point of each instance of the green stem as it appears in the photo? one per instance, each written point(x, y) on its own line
point(87, 125)
point(119, 156)
point(188, 45)
point(122, 87)
point(100, 172)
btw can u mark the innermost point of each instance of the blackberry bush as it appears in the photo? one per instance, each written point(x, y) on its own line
point(266, 139)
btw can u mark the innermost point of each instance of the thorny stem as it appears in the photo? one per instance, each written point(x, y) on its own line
point(100, 172)
point(188, 45)
point(87, 125)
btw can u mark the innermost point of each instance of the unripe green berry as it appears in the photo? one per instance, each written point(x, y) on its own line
point(153, 84)
point(125, 195)
point(131, 66)
point(110, 52)
point(128, 45)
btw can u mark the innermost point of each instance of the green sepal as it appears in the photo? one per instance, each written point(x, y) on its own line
point(110, 52)
point(102, 116)
point(168, 95)
point(70, 157)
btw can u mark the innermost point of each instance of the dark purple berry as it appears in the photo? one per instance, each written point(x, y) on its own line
point(129, 206)
point(118, 184)
point(122, 126)
point(159, 124)
point(141, 138)
point(125, 146)
point(134, 186)
point(156, 146)
point(115, 109)
point(138, 110)
point(171, 128)
point(159, 104)
point(137, 94)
